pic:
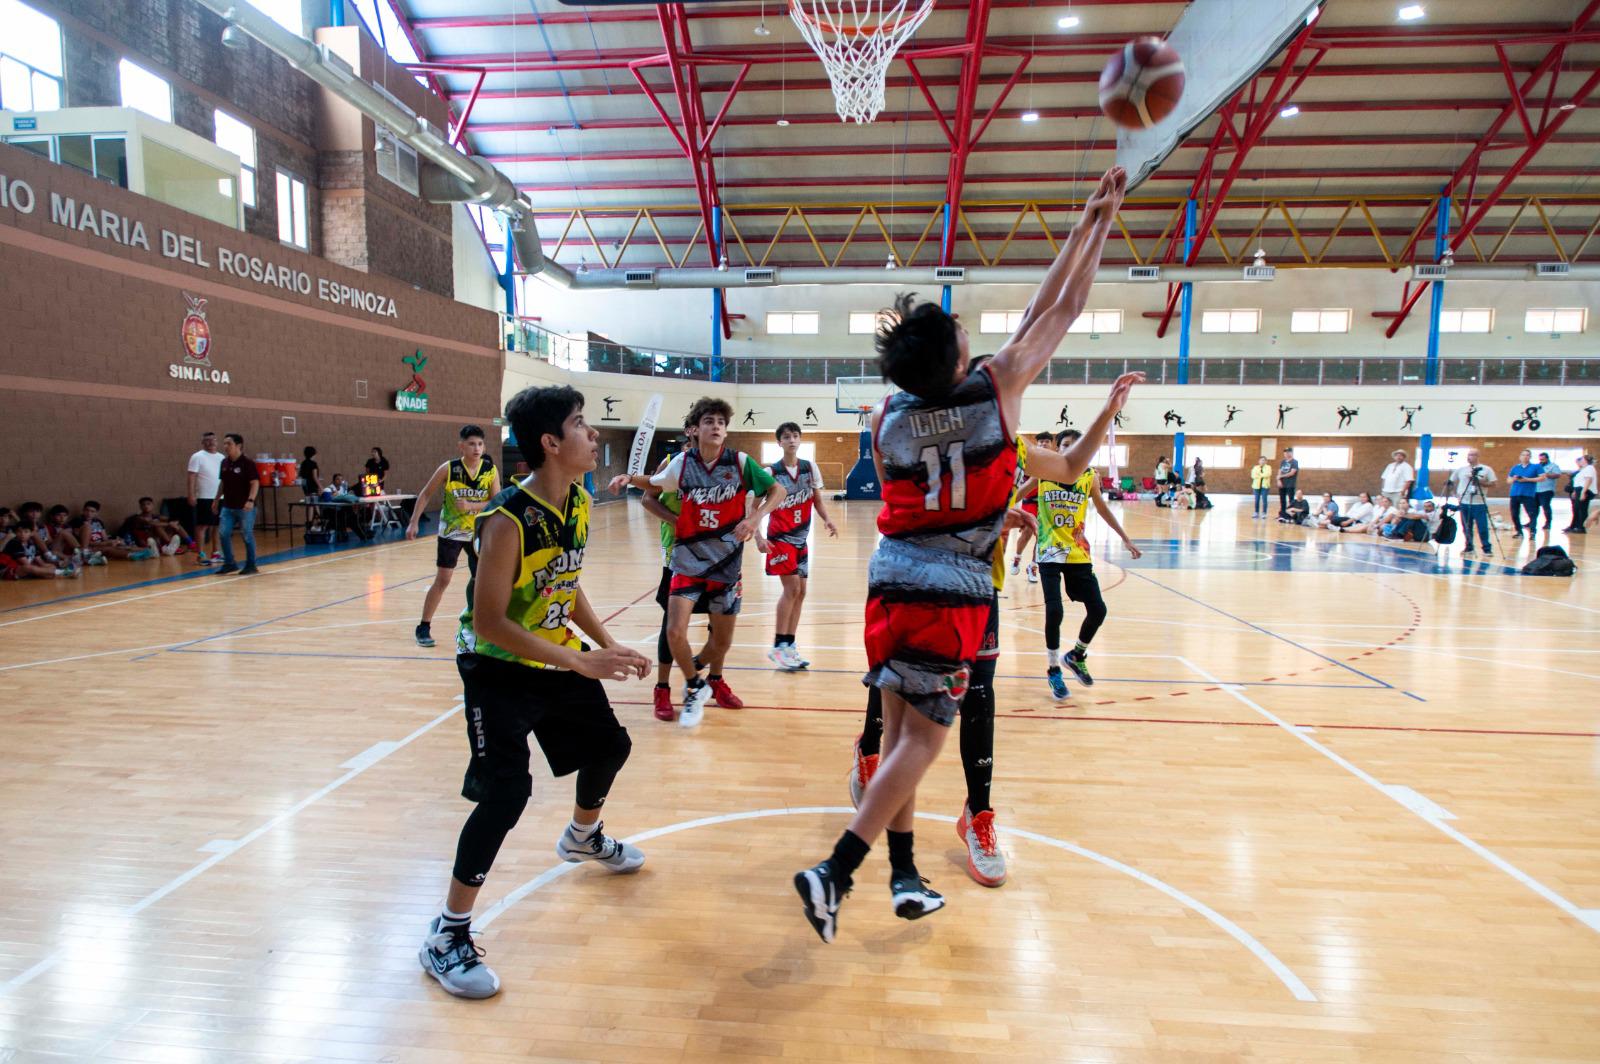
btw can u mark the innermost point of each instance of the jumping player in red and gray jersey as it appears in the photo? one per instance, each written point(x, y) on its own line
point(712, 482)
point(946, 456)
point(785, 544)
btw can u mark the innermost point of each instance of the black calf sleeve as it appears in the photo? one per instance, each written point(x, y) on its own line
point(1094, 616)
point(1050, 580)
point(663, 648)
point(872, 729)
point(977, 735)
point(595, 778)
point(491, 821)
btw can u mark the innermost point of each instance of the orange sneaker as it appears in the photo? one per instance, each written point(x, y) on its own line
point(861, 774)
point(663, 699)
point(723, 695)
point(985, 863)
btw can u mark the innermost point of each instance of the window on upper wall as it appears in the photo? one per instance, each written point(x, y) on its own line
point(1320, 321)
point(999, 322)
point(1556, 320)
point(863, 323)
point(797, 323)
point(285, 13)
point(1230, 321)
point(1097, 322)
point(292, 227)
point(145, 91)
point(772, 451)
point(1216, 457)
point(1102, 457)
point(1466, 321)
point(237, 137)
point(30, 59)
point(1323, 457)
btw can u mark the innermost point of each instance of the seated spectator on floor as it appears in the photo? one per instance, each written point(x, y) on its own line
point(91, 532)
point(57, 533)
point(35, 534)
point(1382, 510)
point(1416, 525)
point(19, 557)
point(1299, 510)
point(148, 528)
point(1326, 513)
point(1360, 513)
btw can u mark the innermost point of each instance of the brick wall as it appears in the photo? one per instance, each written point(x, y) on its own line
point(92, 327)
point(363, 221)
point(181, 42)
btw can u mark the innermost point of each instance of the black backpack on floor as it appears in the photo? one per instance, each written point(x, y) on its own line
point(1550, 561)
point(1446, 534)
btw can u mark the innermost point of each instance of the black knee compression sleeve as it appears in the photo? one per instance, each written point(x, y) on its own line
point(1050, 582)
point(663, 648)
point(595, 778)
point(1094, 616)
point(491, 821)
point(977, 735)
point(872, 728)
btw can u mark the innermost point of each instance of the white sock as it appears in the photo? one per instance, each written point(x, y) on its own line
point(446, 917)
point(583, 832)
point(1052, 657)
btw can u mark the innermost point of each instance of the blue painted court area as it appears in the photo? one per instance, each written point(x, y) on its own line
point(1344, 554)
point(314, 550)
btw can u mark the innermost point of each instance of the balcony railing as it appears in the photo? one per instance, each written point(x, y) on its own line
point(608, 357)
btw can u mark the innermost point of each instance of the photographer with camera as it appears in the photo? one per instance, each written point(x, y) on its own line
point(1467, 485)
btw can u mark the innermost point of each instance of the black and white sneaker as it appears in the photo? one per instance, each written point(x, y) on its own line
point(600, 848)
point(450, 956)
point(913, 898)
point(424, 634)
point(821, 894)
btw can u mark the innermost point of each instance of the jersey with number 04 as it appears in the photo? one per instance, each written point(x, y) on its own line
point(546, 589)
point(1063, 510)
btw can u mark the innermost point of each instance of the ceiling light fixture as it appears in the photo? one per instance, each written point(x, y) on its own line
point(1068, 22)
point(1289, 112)
point(783, 121)
point(1411, 12)
point(761, 27)
point(891, 264)
point(1261, 256)
point(1568, 106)
point(1448, 259)
point(1030, 116)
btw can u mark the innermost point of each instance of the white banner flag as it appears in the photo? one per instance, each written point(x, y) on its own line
point(641, 439)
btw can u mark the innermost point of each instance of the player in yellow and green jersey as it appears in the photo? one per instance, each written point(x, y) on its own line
point(469, 482)
point(1065, 561)
point(526, 671)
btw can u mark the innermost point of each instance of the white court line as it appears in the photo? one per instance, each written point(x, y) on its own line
point(202, 582)
point(365, 760)
point(1395, 795)
point(1448, 652)
point(1285, 975)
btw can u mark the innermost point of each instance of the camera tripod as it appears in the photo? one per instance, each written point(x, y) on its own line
point(1476, 486)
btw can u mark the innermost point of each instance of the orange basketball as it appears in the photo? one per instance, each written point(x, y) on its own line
point(1141, 83)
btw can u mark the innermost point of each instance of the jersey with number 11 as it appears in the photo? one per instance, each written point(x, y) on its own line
point(949, 467)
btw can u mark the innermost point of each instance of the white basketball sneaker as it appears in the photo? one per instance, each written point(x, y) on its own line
point(451, 957)
point(600, 848)
point(694, 705)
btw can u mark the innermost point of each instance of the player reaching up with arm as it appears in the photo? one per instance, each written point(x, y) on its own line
point(946, 454)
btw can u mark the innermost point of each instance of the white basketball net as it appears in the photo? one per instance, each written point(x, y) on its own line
point(856, 39)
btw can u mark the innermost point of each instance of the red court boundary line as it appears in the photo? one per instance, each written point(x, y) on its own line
point(1202, 722)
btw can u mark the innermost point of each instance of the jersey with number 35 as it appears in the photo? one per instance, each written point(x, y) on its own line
point(712, 503)
point(949, 469)
point(546, 589)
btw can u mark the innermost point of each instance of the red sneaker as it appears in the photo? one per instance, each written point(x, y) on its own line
point(664, 710)
point(723, 695)
point(861, 774)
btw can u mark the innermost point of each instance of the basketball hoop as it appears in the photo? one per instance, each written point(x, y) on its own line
point(856, 39)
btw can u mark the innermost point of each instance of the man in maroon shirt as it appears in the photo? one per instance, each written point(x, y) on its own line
point(236, 503)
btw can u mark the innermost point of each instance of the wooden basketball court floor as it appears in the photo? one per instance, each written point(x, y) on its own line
point(1329, 800)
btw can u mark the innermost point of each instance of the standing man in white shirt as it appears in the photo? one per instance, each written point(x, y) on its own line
point(1467, 484)
point(1398, 477)
point(1585, 486)
point(205, 473)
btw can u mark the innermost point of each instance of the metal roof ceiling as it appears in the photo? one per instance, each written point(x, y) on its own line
point(1389, 113)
